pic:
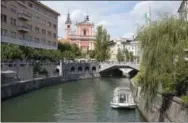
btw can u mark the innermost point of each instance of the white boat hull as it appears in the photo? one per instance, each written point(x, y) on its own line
point(119, 105)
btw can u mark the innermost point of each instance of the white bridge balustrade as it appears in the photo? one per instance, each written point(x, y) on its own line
point(107, 65)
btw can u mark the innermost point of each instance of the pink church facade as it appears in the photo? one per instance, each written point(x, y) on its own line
point(83, 35)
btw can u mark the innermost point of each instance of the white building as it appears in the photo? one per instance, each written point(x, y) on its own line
point(123, 44)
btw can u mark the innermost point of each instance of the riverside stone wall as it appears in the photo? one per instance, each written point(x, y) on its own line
point(89, 70)
point(177, 112)
point(25, 69)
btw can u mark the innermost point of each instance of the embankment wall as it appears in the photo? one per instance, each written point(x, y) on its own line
point(177, 111)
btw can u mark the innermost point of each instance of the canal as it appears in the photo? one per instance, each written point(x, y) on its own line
point(83, 100)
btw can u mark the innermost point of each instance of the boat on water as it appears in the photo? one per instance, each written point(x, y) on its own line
point(122, 98)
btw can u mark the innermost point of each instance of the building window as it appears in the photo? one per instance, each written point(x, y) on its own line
point(22, 1)
point(84, 32)
point(3, 32)
point(54, 35)
point(49, 33)
point(30, 27)
point(13, 21)
point(4, 1)
point(13, 34)
point(37, 8)
point(45, 22)
point(43, 31)
point(29, 38)
point(36, 40)
point(37, 17)
point(3, 18)
point(54, 26)
point(43, 41)
point(49, 24)
point(30, 5)
point(29, 14)
point(49, 43)
point(37, 29)
point(22, 36)
point(13, 10)
point(54, 43)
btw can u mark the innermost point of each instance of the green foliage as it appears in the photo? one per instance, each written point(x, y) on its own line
point(102, 51)
point(127, 55)
point(37, 69)
point(131, 56)
point(91, 54)
point(120, 55)
point(162, 64)
point(10, 51)
point(185, 99)
point(65, 50)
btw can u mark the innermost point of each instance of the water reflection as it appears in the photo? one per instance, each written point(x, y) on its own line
point(84, 100)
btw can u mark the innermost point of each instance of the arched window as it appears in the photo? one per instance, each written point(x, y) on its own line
point(84, 32)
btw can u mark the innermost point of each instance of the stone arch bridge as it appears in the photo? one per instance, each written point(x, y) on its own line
point(118, 69)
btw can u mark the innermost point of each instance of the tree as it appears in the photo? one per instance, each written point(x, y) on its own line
point(163, 43)
point(71, 50)
point(120, 56)
point(101, 44)
point(126, 52)
point(11, 51)
point(75, 49)
point(91, 54)
point(64, 46)
point(131, 56)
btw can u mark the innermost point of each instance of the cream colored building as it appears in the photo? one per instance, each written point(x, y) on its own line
point(122, 44)
point(29, 23)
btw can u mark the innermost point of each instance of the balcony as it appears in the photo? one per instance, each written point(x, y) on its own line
point(25, 41)
point(22, 3)
point(81, 37)
point(24, 16)
point(4, 3)
point(23, 28)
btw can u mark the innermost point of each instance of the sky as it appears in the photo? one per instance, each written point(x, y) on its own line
point(120, 18)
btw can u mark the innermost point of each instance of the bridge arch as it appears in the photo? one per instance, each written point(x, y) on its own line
point(93, 68)
point(87, 68)
point(72, 68)
point(80, 68)
point(115, 69)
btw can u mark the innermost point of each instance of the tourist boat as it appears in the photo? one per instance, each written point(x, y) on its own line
point(122, 98)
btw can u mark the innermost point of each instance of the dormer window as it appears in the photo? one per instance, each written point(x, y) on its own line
point(84, 32)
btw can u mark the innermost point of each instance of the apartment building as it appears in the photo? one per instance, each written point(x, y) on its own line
point(29, 23)
point(183, 10)
point(122, 44)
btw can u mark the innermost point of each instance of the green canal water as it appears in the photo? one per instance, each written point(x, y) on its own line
point(83, 100)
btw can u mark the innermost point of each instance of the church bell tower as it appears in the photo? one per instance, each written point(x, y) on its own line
point(67, 26)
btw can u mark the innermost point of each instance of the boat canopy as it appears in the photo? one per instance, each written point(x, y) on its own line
point(122, 89)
